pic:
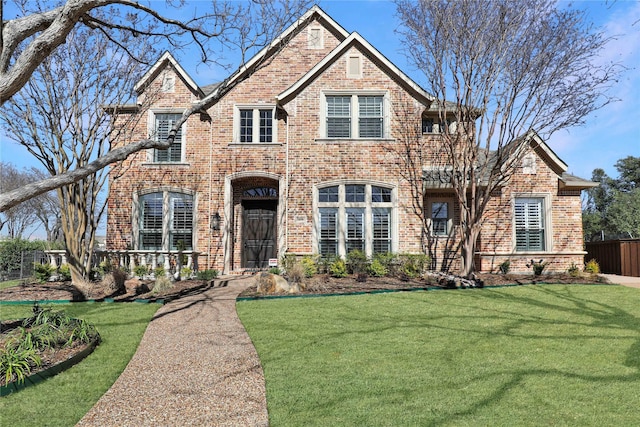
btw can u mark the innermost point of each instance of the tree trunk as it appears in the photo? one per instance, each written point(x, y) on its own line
point(468, 249)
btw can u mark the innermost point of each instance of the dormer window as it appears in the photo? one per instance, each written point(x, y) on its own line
point(433, 125)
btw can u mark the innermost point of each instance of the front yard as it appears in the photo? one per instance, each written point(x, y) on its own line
point(529, 355)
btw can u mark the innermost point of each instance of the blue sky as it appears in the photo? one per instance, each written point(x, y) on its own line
point(610, 133)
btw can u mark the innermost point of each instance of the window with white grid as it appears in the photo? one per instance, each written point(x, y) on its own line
point(529, 224)
point(164, 122)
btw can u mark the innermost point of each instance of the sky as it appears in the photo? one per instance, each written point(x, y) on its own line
point(610, 133)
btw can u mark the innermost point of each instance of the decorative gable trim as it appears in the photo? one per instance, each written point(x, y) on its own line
point(368, 50)
point(152, 73)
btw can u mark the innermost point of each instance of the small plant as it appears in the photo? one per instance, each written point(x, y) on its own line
point(140, 271)
point(573, 271)
point(186, 272)
point(296, 273)
point(163, 283)
point(338, 268)
point(537, 267)
point(288, 261)
point(17, 363)
point(388, 260)
point(159, 272)
point(275, 270)
point(377, 268)
point(505, 266)
point(592, 267)
point(43, 271)
point(310, 266)
point(207, 274)
point(357, 262)
point(65, 272)
point(412, 265)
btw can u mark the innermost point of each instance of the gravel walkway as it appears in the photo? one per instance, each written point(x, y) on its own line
point(195, 366)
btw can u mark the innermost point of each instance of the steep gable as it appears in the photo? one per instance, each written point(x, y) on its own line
point(358, 42)
point(167, 61)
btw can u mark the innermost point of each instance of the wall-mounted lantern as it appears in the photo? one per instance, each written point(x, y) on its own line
point(215, 221)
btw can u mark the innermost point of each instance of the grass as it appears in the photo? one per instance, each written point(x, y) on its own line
point(64, 399)
point(10, 283)
point(525, 356)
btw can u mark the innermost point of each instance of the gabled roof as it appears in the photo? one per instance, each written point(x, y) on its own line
point(357, 40)
point(315, 11)
point(440, 177)
point(152, 73)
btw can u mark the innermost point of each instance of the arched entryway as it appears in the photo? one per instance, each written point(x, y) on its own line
point(254, 208)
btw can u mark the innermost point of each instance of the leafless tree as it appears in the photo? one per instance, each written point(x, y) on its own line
point(500, 71)
point(15, 221)
point(57, 117)
point(28, 40)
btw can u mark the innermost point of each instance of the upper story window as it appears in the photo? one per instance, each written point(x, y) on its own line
point(165, 221)
point(255, 124)
point(354, 217)
point(354, 116)
point(163, 123)
point(529, 213)
point(433, 125)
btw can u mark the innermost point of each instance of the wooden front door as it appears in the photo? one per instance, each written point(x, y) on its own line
point(259, 233)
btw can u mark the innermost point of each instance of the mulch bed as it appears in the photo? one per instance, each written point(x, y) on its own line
point(320, 284)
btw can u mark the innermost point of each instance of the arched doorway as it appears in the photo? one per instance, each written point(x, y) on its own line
point(255, 235)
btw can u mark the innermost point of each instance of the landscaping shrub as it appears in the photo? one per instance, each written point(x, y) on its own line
point(573, 271)
point(296, 273)
point(162, 284)
point(288, 261)
point(505, 266)
point(357, 262)
point(275, 270)
point(159, 272)
point(310, 266)
point(377, 268)
point(65, 272)
point(592, 267)
point(537, 267)
point(43, 272)
point(207, 274)
point(338, 268)
point(44, 329)
point(186, 272)
point(412, 265)
point(140, 271)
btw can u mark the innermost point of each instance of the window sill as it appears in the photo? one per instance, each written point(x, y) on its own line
point(352, 140)
point(173, 164)
point(254, 144)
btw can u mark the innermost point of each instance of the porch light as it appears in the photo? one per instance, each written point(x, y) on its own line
point(215, 221)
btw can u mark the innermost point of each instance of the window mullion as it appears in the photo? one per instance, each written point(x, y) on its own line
point(355, 117)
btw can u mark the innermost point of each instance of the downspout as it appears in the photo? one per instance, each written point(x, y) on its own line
point(208, 228)
point(286, 191)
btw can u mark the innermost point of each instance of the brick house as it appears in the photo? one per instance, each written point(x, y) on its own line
point(295, 159)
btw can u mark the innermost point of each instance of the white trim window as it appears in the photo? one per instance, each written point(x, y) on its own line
point(255, 124)
point(315, 38)
point(529, 219)
point(162, 124)
point(441, 217)
point(354, 216)
point(361, 116)
point(165, 221)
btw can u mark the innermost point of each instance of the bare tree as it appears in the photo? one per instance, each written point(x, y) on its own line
point(28, 40)
point(499, 72)
point(15, 221)
point(47, 209)
point(57, 117)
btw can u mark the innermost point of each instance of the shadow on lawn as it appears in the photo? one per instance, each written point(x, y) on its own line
point(602, 315)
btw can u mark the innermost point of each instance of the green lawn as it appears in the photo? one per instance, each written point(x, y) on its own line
point(531, 355)
point(9, 283)
point(64, 399)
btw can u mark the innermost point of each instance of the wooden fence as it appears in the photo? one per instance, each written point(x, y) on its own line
point(616, 256)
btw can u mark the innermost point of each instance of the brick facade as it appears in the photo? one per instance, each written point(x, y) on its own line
point(217, 170)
